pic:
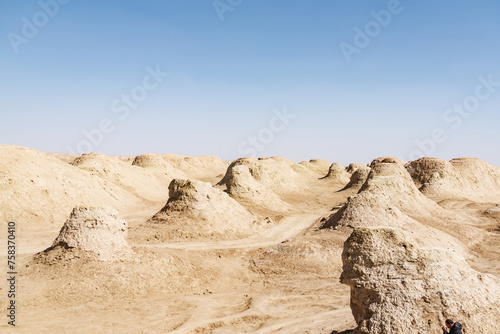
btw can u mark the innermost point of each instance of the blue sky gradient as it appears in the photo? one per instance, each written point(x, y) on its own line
point(227, 76)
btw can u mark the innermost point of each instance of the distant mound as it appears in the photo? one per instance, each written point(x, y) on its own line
point(177, 166)
point(358, 177)
point(318, 166)
point(278, 174)
point(97, 163)
point(143, 183)
point(389, 160)
point(388, 187)
point(390, 198)
point(337, 173)
point(268, 183)
point(97, 230)
point(40, 190)
point(467, 178)
point(355, 166)
point(243, 187)
point(195, 209)
point(156, 161)
point(398, 287)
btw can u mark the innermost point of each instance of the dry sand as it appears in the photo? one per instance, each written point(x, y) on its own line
point(252, 246)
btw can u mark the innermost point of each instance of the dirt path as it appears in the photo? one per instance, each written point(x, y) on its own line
point(287, 228)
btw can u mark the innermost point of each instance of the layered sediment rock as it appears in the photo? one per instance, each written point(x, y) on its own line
point(399, 287)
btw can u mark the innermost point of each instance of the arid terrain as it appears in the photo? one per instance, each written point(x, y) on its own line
point(161, 243)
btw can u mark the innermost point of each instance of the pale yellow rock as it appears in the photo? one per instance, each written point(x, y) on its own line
point(97, 230)
point(398, 287)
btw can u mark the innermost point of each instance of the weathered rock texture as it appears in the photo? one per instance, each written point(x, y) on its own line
point(97, 230)
point(397, 287)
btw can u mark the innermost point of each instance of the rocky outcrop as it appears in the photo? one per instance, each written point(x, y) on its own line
point(399, 287)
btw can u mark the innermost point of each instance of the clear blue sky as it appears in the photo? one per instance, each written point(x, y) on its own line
point(227, 76)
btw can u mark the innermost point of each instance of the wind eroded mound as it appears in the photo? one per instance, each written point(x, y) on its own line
point(337, 173)
point(463, 178)
point(40, 190)
point(195, 209)
point(96, 230)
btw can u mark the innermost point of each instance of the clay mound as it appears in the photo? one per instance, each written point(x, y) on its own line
point(149, 185)
point(389, 160)
point(196, 209)
point(358, 177)
point(338, 173)
point(95, 162)
point(483, 177)
point(95, 229)
point(277, 174)
point(467, 178)
point(39, 189)
point(436, 177)
point(155, 161)
point(388, 195)
point(355, 166)
point(317, 166)
point(198, 168)
point(243, 187)
point(397, 287)
point(177, 166)
point(392, 181)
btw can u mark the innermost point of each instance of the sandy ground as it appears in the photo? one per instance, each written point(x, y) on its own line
point(236, 295)
point(284, 279)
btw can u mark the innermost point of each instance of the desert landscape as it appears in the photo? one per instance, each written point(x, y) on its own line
point(162, 243)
